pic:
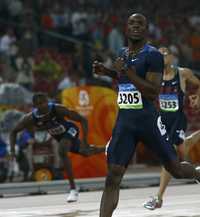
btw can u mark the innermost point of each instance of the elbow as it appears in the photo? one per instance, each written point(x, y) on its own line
point(152, 97)
point(153, 94)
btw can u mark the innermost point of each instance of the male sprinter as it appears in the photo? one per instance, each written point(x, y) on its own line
point(51, 117)
point(139, 71)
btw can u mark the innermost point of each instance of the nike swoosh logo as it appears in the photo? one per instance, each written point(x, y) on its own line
point(133, 60)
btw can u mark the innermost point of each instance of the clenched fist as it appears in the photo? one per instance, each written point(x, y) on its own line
point(98, 68)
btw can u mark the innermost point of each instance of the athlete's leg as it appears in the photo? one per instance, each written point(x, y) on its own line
point(165, 176)
point(162, 146)
point(158, 141)
point(90, 150)
point(182, 170)
point(110, 195)
point(119, 153)
point(176, 169)
point(64, 148)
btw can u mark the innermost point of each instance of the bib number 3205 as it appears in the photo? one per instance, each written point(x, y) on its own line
point(130, 100)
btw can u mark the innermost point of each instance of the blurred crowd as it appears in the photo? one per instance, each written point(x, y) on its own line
point(60, 39)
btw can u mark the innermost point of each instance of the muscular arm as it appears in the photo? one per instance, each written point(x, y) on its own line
point(63, 111)
point(149, 87)
point(189, 76)
point(25, 122)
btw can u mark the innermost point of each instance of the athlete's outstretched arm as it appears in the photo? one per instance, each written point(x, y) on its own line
point(25, 122)
point(63, 111)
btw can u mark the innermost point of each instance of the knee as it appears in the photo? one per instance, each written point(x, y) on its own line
point(63, 149)
point(175, 171)
point(114, 178)
point(177, 174)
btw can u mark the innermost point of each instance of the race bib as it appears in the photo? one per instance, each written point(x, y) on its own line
point(57, 130)
point(129, 97)
point(168, 102)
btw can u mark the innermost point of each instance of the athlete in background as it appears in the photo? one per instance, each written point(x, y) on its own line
point(51, 117)
point(171, 102)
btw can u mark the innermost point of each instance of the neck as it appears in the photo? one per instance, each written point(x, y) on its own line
point(169, 72)
point(135, 46)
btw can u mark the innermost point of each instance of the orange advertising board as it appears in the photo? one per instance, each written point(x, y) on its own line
point(98, 105)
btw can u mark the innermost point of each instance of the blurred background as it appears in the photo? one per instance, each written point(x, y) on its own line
point(49, 46)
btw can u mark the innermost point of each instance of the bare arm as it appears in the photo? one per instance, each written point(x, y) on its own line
point(149, 87)
point(187, 76)
point(25, 122)
point(63, 111)
point(191, 78)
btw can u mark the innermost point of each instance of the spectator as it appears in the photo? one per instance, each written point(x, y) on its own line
point(15, 8)
point(79, 21)
point(73, 79)
point(28, 42)
point(25, 74)
point(6, 41)
point(115, 39)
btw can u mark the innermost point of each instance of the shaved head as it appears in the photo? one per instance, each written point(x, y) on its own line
point(141, 16)
point(137, 27)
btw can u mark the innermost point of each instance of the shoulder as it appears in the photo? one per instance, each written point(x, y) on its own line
point(153, 52)
point(27, 116)
point(26, 119)
point(154, 59)
point(185, 72)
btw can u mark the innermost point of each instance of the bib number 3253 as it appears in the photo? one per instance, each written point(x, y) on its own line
point(169, 103)
point(130, 100)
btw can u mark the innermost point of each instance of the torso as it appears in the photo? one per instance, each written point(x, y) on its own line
point(130, 98)
point(171, 98)
point(55, 125)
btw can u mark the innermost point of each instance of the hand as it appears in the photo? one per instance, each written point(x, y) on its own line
point(98, 68)
point(119, 64)
point(194, 101)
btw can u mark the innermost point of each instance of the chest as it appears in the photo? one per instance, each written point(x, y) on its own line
point(170, 87)
point(53, 125)
point(138, 62)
